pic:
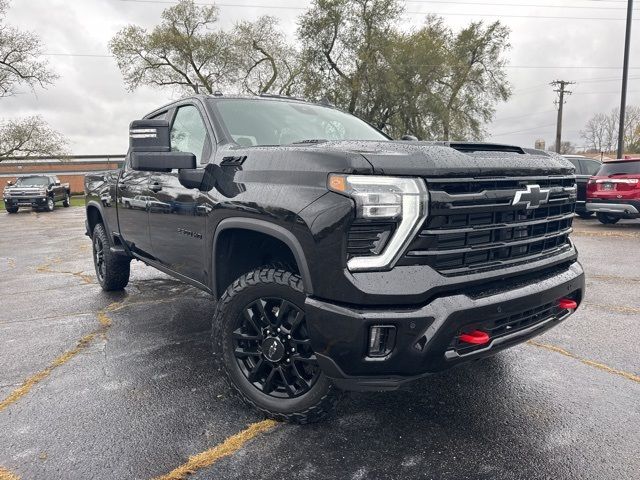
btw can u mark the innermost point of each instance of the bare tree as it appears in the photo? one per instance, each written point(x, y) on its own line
point(185, 51)
point(266, 62)
point(29, 136)
point(21, 65)
point(597, 133)
point(601, 130)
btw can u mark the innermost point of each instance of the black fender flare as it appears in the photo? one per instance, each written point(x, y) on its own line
point(267, 228)
point(98, 206)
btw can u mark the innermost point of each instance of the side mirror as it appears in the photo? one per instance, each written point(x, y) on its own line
point(57, 182)
point(149, 136)
point(162, 161)
point(10, 183)
point(150, 148)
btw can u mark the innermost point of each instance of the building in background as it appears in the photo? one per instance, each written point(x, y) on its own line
point(69, 169)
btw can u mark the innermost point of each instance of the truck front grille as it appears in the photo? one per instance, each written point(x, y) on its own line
point(473, 225)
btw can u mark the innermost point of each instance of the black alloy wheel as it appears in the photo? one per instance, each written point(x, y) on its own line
point(273, 350)
point(98, 258)
point(262, 345)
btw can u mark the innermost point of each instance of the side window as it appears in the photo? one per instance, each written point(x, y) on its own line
point(160, 116)
point(189, 134)
point(576, 164)
point(590, 167)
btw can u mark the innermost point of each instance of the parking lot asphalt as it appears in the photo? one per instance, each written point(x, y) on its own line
point(122, 385)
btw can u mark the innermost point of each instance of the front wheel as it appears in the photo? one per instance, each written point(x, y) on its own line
point(607, 218)
point(12, 209)
point(112, 270)
point(67, 200)
point(262, 342)
point(50, 204)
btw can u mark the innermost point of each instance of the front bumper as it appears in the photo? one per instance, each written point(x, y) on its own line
point(621, 207)
point(30, 201)
point(425, 336)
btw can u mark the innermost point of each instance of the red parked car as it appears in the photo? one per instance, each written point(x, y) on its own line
point(614, 192)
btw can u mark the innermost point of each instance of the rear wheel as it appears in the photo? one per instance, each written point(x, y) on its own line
point(607, 218)
point(112, 270)
point(262, 343)
point(67, 200)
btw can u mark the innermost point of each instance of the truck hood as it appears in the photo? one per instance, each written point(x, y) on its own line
point(445, 159)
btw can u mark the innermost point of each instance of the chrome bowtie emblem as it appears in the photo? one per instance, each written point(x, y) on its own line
point(533, 196)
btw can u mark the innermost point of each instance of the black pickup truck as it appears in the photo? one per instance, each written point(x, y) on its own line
point(340, 259)
point(39, 192)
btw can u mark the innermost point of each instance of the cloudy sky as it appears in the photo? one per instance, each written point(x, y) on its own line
point(576, 40)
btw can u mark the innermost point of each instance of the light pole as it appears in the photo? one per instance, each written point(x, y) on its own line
point(625, 75)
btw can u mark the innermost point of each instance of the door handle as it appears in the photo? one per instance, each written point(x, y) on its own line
point(155, 187)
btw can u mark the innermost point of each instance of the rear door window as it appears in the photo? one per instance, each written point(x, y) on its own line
point(620, 168)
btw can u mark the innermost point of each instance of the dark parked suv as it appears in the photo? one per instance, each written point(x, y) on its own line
point(340, 258)
point(585, 168)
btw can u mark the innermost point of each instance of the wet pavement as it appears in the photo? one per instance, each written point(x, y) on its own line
point(122, 385)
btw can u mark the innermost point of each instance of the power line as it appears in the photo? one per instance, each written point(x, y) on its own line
point(534, 67)
point(444, 14)
point(523, 130)
point(534, 5)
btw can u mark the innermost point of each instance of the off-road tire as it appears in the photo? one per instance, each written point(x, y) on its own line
point(115, 273)
point(607, 218)
point(51, 204)
point(314, 405)
point(12, 209)
point(67, 200)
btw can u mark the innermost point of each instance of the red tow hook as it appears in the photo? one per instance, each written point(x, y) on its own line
point(476, 337)
point(567, 304)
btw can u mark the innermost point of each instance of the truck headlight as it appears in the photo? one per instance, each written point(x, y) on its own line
point(399, 199)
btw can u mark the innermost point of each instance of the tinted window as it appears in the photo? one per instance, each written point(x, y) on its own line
point(32, 181)
point(189, 134)
point(590, 167)
point(576, 163)
point(275, 122)
point(619, 168)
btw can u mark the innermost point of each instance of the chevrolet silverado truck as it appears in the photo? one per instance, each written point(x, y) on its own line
point(39, 192)
point(340, 259)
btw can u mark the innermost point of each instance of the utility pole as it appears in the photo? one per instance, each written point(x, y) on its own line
point(561, 84)
point(625, 76)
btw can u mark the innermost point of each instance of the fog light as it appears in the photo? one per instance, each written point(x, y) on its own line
point(382, 339)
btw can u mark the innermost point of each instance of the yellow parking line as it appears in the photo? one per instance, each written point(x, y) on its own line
point(7, 475)
point(591, 363)
point(619, 234)
point(230, 446)
point(32, 381)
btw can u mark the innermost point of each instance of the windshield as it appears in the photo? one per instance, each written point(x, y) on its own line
point(274, 122)
point(32, 181)
point(619, 168)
